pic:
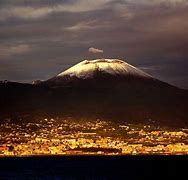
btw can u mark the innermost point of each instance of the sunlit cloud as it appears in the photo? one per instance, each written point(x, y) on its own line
point(24, 12)
point(95, 50)
point(29, 12)
point(87, 26)
point(80, 26)
point(157, 2)
point(10, 50)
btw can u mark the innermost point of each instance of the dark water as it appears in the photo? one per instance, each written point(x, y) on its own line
point(93, 167)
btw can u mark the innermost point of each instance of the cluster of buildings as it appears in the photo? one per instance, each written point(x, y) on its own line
point(81, 138)
point(83, 146)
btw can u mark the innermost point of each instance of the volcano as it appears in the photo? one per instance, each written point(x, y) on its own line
point(104, 73)
point(87, 69)
point(95, 70)
point(108, 89)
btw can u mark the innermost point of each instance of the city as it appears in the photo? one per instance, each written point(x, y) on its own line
point(56, 136)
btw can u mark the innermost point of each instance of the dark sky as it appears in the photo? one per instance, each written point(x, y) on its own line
point(40, 38)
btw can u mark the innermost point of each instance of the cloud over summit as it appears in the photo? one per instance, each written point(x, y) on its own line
point(95, 50)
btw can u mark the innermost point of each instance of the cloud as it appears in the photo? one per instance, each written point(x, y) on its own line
point(95, 50)
point(80, 26)
point(7, 51)
point(88, 25)
point(24, 12)
point(157, 2)
point(30, 12)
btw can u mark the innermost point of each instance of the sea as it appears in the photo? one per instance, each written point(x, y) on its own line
point(93, 167)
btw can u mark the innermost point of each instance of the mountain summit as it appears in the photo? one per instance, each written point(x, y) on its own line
point(87, 69)
point(99, 73)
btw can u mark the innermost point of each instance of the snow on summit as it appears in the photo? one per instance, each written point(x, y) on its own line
point(87, 68)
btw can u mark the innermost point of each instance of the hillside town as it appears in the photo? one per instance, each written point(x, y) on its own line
point(99, 137)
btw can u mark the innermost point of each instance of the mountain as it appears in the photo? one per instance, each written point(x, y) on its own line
point(104, 88)
point(104, 73)
point(89, 71)
point(86, 69)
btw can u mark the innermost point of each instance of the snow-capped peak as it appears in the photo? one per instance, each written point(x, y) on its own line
point(87, 68)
